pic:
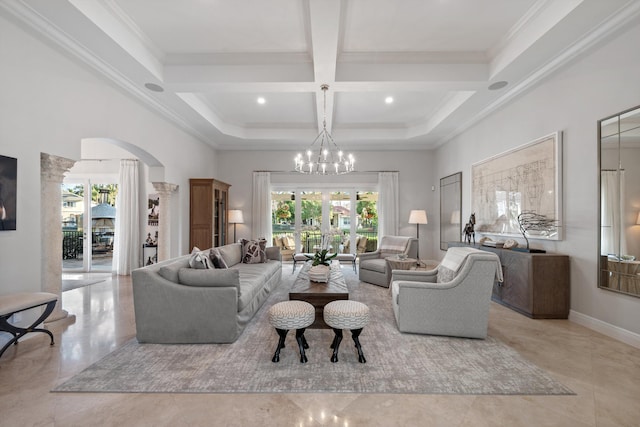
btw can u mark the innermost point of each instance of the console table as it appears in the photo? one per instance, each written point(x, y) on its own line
point(536, 285)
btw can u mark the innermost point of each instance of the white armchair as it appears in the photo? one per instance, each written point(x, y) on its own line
point(373, 266)
point(456, 305)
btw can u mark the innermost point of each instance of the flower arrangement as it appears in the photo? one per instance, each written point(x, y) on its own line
point(321, 258)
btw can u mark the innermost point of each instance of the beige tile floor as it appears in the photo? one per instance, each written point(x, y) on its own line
point(603, 372)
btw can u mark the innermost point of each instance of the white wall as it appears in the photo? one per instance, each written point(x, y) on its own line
point(572, 101)
point(49, 103)
point(414, 167)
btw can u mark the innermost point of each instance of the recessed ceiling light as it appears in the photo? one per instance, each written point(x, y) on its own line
point(498, 85)
point(261, 100)
point(389, 100)
point(154, 87)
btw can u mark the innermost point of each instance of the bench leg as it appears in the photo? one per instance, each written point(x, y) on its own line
point(282, 333)
point(19, 332)
point(302, 344)
point(355, 334)
point(336, 344)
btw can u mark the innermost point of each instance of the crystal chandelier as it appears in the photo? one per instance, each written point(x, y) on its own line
point(325, 158)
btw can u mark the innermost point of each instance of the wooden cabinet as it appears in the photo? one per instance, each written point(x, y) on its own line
point(536, 285)
point(208, 209)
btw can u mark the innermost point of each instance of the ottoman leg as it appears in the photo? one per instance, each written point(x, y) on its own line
point(302, 344)
point(336, 344)
point(355, 334)
point(283, 334)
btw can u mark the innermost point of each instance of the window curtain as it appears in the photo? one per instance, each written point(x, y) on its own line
point(127, 238)
point(612, 198)
point(387, 204)
point(261, 210)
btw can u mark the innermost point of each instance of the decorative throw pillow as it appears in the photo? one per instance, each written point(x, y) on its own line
point(199, 259)
point(216, 258)
point(445, 274)
point(253, 251)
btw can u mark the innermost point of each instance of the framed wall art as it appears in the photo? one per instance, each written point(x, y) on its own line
point(8, 189)
point(527, 178)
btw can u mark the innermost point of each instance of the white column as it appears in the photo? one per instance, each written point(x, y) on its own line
point(165, 193)
point(52, 170)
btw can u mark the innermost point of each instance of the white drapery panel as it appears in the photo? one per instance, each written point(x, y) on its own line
point(387, 204)
point(261, 209)
point(127, 238)
point(612, 199)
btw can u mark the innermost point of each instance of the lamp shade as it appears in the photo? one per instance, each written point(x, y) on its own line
point(638, 219)
point(235, 216)
point(418, 217)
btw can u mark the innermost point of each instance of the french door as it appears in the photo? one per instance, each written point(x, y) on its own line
point(88, 225)
point(335, 219)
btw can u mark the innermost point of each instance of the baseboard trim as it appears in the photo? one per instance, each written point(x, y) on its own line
point(605, 328)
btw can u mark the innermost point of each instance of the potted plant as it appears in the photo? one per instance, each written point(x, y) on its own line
point(321, 258)
point(320, 265)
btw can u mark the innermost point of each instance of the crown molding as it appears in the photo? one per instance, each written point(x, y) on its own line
point(609, 27)
point(34, 20)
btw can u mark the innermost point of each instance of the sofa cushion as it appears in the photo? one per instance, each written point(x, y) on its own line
point(232, 253)
point(210, 277)
point(252, 279)
point(362, 244)
point(199, 259)
point(216, 258)
point(376, 264)
point(253, 251)
point(170, 271)
point(288, 242)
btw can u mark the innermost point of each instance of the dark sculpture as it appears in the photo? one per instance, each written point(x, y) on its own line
point(469, 230)
point(531, 221)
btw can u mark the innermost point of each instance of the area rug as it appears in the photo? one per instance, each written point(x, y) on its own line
point(69, 284)
point(396, 362)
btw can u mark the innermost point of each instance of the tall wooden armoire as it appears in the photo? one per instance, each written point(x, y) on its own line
point(208, 209)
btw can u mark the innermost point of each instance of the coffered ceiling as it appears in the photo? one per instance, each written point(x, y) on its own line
point(214, 59)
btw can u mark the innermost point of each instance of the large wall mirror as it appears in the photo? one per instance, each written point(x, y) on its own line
point(450, 206)
point(619, 142)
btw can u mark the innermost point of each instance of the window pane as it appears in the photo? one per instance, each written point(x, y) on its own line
point(311, 217)
point(367, 225)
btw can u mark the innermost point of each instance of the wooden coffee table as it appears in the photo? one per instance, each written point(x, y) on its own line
point(319, 294)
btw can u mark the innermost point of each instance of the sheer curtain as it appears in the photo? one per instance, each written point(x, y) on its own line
point(612, 233)
point(127, 238)
point(261, 210)
point(387, 204)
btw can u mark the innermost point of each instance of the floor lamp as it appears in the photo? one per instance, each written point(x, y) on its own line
point(418, 217)
point(235, 217)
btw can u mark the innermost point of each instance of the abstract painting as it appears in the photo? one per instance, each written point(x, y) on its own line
point(8, 189)
point(525, 179)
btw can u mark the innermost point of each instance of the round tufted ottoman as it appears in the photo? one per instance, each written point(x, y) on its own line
point(287, 315)
point(346, 314)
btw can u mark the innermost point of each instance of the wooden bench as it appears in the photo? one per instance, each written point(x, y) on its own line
point(302, 257)
point(15, 303)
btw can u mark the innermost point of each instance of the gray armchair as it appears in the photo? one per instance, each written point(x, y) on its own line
point(456, 305)
point(373, 266)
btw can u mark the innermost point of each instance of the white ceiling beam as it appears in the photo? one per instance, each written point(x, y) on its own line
point(177, 74)
point(325, 29)
point(110, 21)
point(412, 72)
point(532, 27)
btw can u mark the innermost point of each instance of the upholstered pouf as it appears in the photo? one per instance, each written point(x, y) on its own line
point(291, 315)
point(346, 314)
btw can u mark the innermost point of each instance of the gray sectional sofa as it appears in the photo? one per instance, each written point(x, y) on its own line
point(177, 304)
